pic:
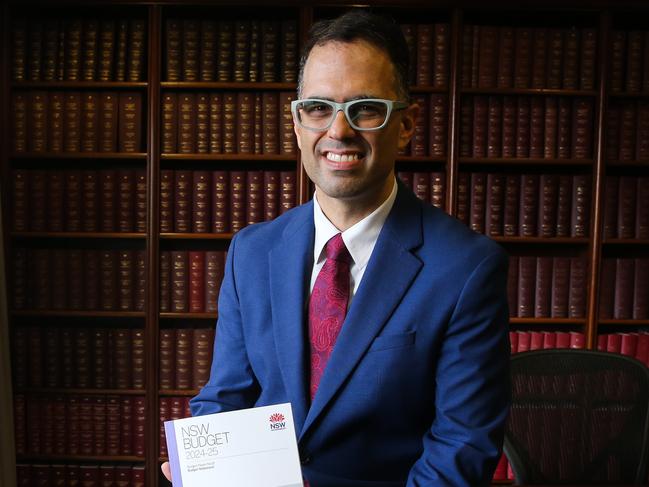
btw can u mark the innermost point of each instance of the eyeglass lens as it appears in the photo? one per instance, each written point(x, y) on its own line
point(362, 114)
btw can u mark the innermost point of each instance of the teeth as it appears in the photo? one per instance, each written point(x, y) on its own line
point(342, 157)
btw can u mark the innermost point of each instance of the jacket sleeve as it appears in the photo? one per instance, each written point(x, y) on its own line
point(472, 385)
point(232, 383)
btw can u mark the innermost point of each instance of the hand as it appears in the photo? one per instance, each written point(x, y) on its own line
point(166, 470)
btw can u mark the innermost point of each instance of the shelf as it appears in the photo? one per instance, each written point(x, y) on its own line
point(227, 85)
point(548, 321)
point(178, 392)
point(79, 314)
point(637, 94)
point(627, 241)
point(94, 391)
point(197, 316)
point(228, 157)
point(76, 458)
point(624, 322)
point(422, 159)
point(429, 89)
point(528, 91)
point(80, 155)
point(636, 163)
point(93, 235)
point(528, 161)
point(196, 236)
point(78, 84)
point(542, 240)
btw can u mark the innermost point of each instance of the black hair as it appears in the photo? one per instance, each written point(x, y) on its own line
point(360, 24)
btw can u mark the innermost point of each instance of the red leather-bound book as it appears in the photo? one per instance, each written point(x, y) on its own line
point(125, 280)
point(126, 425)
point(164, 416)
point(72, 206)
point(270, 122)
point(99, 425)
point(125, 200)
point(106, 51)
point(614, 342)
point(207, 50)
point(642, 350)
point(202, 360)
point(107, 122)
point(271, 195)
point(86, 425)
point(55, 181)
point(523, 126)
point(522, 57)
point(19, 357)
point(138, 476)
point(108, 191)
point(438, 125)
point(421, 185)
point(539, 57)
point(179, 282)
point(478, 202)
point(537, 126)
point(137, 359)
point(466, 56)
point(288, 142)
point(55, 121)
point(196, 281)
point(20, 424)
point(419, 142)
point(89, 122)
point(245, 122)
point(108, 279)
point(220, 201)
point(512, 286)
point(563, 339)
point(577, 339)
point(549, 339)
point(20, 195)
point(106, 476)
point(241, 52)
point(505, 73)
point(634, 58)
point(526, 286)
point(83, 358)
point(581, 196)
point(602, 340)
point(611, 194)
point(642, 148)
point(120, 351)
point(202, 123)
point(237, 200)
point(613, 120)
point(511, 205)
point(494, 127)
point(42, 278)
point(167, 358)
point(41, 475)
point(624, 277)
point(165, 281)
point(229, 125)
point(130, 122)
point(59, 278)
point(254, 197)
point(269, 55)
point(201, 201)
point(466, 126)
point(438, 189)
point(536, 340)
point(169, 123)
point(214, 264)
point(139, 280)
point(626, 208)
point(91, 279)
point(183, 201)
point(139, 426)
point(90, 206)
point(488, 56)
point(167, 201)
point(288, 51)
point(441, 55)
point(587, 58)
point(641, 289)
point(513, 342)
point(425, 54)
point(173, 49)
point(216, 123)
point(122, 476)
point(113, 426)
point(495, 203)
point(37, 122)
point(543, 290)
point(288, 191)
point(564, 129)
point(57, 475)
point(74, 284)
point(582, 129)
point(140, 201)
point(560, 287)
point(19, 109)
point(224, 50)
point(68, 352)
point(628, 344)
point(463, 198)
point(571, 58)
point(190, 49)
point(186, 123)
point(549, 190)
point(564, 206)
point(577, 289)
point(628, 130)
point(176, 407)
point(136, 49)
point(38, 200)
point(258, 125)
point(100, 358)
point(480, 124)
point(184, 358)
point(524, 341)
point(607, 288)
point(73, 421)
point(529, 205)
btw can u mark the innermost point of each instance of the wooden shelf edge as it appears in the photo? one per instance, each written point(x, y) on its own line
point(177, 392)
point(626, 241)
point(624, 322)
point(525, 161)
point(79, 155)
point(195, 316)
point(228, 157)
point(529, 91)
point(196, 236)
point(543, 240)
point(78, 84)
point(229, 85)
point(93, 235)
point(548, 321)
point(86, 391)
point(76, 458)
point(78, 314)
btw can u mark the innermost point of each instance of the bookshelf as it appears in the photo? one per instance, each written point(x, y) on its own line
point(115, 229)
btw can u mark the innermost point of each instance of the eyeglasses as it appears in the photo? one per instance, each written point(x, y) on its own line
point(363, 114)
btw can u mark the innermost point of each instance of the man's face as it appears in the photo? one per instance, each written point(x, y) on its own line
point(348, 165)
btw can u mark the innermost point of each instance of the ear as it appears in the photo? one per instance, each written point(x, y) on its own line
point(296, 129)
point(407, 126)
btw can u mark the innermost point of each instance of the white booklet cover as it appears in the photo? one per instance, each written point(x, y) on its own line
point(254, 447)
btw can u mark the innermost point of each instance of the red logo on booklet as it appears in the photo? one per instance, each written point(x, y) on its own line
point(277, 422)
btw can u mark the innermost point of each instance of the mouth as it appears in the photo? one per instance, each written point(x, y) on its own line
point(343, 160)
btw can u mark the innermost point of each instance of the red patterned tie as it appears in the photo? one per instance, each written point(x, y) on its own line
point(328, 306)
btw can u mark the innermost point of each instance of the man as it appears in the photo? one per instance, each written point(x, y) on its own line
point(404, 378)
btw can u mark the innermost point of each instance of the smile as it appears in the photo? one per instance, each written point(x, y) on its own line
point(342, 157)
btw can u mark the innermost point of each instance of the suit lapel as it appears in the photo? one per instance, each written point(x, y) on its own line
point(290, 263)
point(389, 274)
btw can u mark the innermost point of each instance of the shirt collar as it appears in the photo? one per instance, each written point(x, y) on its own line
point(359, 238)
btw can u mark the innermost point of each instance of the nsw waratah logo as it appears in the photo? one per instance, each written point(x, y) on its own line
point(277, 422)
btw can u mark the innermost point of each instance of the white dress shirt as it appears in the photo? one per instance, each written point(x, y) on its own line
point(359, 239)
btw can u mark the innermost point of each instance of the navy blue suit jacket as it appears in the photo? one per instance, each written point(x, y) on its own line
point(416, 390)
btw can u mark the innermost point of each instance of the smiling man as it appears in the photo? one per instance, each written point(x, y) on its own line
point(381, 319)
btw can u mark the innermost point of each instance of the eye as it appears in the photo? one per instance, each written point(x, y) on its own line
point(368, 109)
point(316, 109)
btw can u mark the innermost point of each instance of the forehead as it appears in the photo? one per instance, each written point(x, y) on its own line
point(342, 70)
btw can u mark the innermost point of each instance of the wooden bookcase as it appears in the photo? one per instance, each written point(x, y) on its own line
point(39, 326)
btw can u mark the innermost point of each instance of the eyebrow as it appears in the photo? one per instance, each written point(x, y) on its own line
point(353, 98)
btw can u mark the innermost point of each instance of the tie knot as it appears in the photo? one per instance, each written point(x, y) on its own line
point(336, 250)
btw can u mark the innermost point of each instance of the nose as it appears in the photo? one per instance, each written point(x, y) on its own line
point(340, 128)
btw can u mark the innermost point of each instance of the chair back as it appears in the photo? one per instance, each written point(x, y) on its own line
point(578, 417)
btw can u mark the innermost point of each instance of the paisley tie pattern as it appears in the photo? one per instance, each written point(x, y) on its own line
point(328, 306)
